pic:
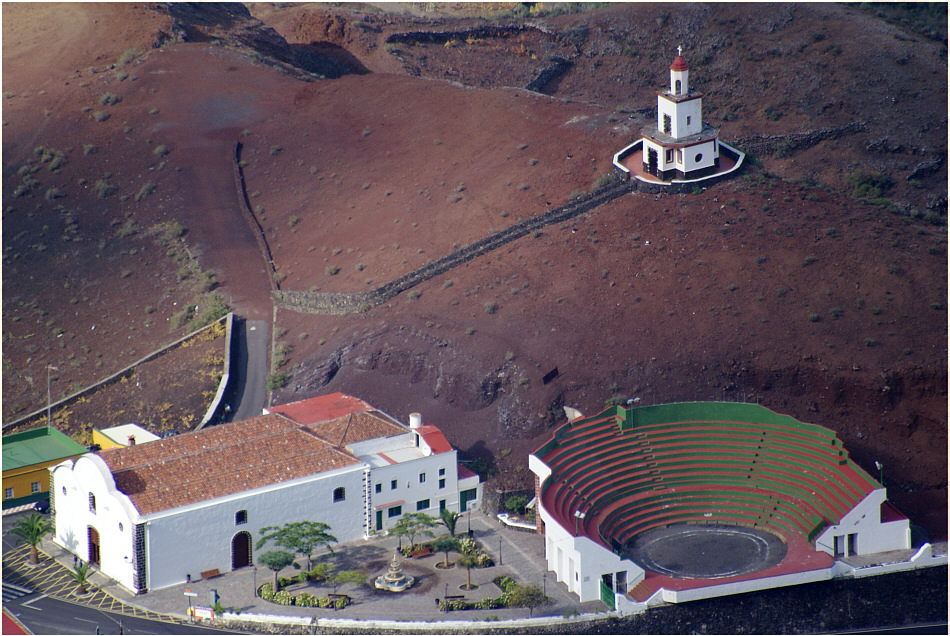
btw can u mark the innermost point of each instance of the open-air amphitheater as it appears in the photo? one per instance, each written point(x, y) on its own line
point(678, 502)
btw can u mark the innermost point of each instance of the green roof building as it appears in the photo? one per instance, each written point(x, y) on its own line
point(26, 458)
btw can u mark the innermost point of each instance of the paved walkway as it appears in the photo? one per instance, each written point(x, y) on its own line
point(517, 554)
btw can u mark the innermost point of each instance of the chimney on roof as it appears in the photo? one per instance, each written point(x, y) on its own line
point(131, 440)
point(415, 420)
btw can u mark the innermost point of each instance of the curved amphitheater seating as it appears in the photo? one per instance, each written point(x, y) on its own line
point(631, 470)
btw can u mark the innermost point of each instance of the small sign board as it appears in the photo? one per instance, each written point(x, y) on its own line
point(190, 593)
point(204, 613)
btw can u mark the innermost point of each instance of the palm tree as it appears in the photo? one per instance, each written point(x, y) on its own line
point(445, 544)
point(467, 561)
point(80, 575)
point(448, 519)
point(32, 529)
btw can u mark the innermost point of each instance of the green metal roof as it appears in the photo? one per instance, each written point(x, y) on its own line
point(37, 446)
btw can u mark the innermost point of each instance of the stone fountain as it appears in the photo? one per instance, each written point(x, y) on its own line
point(394, 580)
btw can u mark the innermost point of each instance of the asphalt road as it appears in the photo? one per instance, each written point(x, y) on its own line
point(249, 368)
point(45, 615)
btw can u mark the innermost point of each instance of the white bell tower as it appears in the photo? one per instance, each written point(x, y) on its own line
point(679, 75)
point(680, 146)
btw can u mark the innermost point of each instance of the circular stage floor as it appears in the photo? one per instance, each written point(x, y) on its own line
point(706, 551)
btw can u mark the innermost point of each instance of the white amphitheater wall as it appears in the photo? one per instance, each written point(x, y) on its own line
point(861, 531)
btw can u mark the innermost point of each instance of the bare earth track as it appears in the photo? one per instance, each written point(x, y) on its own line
point(780, 286)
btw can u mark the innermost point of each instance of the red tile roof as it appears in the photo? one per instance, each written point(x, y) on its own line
point(356, 427)
point(219, 461)
point(465, 473)
point(322, 408)
point(679, 64)
point(435, 439)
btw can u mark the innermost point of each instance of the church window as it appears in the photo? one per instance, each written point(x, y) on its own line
point(35, 487)
point(667, 124)
point(379, 488)
point(240, 517)
point(92, 503)
point(699, 157)
point(669, 156)
point(688, 120)
point(679, 87)
point(339, 494)
point(679, 155)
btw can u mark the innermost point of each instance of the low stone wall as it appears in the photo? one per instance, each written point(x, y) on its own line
point(249, 217)
point(217, 403)
point(767, 144)
point(346, 303)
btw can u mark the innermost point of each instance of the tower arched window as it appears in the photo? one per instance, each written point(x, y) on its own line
point(678, 87)
point(92, 503)
point(339, 494)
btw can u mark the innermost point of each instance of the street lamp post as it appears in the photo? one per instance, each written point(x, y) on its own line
point(880, 468)
point(544, 583)
point(499, 552)
point(49, 398)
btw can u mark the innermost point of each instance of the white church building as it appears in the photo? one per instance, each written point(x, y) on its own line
point(680, 145)
point(166, 512)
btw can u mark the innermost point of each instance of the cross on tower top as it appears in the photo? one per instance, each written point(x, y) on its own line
point(679, 50)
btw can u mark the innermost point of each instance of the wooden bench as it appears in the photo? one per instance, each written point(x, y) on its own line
point(210, 574)
point(421, 552)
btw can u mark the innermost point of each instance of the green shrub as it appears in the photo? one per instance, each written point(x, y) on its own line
point(808, 261)
point(814, 317)
point(869, 185)
point(332, 270)
point(144, 191)
point(109, 99)
point(276, 380)
point(490, 307)
point(127, 56)
point(105, 189)
point(160, 150)
point(414, 294)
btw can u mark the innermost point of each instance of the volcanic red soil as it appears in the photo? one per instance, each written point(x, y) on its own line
point(780, 286)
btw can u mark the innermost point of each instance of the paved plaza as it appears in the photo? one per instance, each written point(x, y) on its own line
point(516, 553)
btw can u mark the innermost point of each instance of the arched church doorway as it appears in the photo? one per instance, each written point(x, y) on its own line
point(93, 546)
point(241, 555)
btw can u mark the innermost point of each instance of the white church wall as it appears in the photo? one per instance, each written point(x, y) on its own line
point(113, 517)
point(197, 538)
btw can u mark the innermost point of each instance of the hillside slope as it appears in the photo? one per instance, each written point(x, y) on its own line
point(777, 287)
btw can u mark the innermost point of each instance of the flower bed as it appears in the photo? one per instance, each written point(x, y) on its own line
point(464, 545)
point(509, 598)
point(303, 599)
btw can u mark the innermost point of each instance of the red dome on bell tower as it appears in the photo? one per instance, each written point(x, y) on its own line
point(679, 64)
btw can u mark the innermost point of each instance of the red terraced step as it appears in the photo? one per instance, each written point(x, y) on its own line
point(644, 589)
